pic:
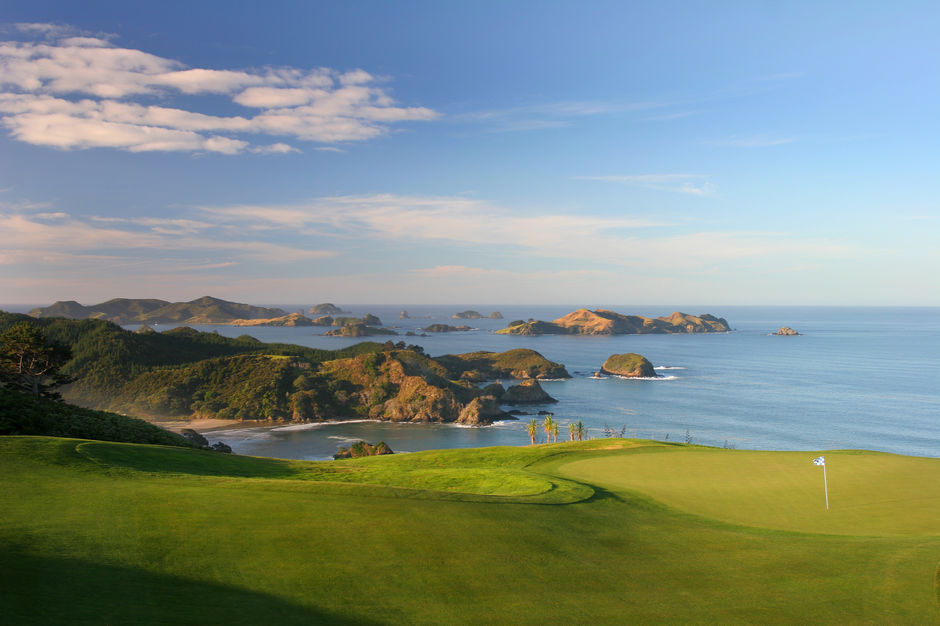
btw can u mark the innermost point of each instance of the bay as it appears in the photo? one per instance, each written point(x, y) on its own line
point(856, 378)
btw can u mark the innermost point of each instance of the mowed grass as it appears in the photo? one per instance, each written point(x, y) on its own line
point(870, 493)
point(92, 532)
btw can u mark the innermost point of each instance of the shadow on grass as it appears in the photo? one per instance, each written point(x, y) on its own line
point(45, 590)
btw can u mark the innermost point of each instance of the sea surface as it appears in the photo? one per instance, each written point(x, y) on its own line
point(863, 378)
point(856, 378)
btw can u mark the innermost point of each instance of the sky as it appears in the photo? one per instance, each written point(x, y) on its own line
point(739, 153)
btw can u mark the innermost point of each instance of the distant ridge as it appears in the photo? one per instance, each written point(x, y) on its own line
point(204, 310)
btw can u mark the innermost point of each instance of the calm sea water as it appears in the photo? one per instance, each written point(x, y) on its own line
point(856, 378)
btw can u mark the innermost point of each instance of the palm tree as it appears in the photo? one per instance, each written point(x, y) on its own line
point(555, 431)
point(572, 430)
point(579, 430)
point(531, 429)
point(547, 426)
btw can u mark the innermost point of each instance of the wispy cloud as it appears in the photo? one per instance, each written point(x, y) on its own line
point(546, 115)
point(692, 184)
point(66, 90)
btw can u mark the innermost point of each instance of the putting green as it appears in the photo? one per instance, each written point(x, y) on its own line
point(870, 493)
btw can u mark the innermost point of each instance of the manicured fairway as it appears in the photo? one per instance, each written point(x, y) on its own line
point(870, 493)
point(99, 533)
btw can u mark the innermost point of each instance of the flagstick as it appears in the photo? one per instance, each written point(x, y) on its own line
point(826, 483)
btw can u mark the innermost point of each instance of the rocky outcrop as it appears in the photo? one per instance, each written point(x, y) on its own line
point(496, 315)
point(527, 392)
point(482, 410)
point(605, 322)
point(404, 316)
point(363, 448)
point(371, 320)
point(220, 446)
point(786, 331)
point(629, 365)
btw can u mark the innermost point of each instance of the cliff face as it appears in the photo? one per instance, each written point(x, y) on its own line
point(605, 322)
point(629, 365)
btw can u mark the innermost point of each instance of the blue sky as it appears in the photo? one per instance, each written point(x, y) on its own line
point(485, 152)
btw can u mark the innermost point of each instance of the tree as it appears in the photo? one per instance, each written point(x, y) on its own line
point(532, 428)
point(572, 430)
point(555, 432)
point(547, 426)
point(580, 430)
point(28, 362)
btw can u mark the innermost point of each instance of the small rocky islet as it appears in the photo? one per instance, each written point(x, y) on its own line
point(628, 365)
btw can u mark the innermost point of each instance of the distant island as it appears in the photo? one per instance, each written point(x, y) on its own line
point(123, 311)
point(358, 329)
point(605, 322)
point(476, 315)
point(327, 308)
point(786, 331)
point(445, 328)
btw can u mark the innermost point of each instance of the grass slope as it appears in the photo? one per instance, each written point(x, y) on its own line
point(117, 533)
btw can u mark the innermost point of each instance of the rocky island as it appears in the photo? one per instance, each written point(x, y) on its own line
point(605, 322)
point(445, 328)
point(629, 365)
point(358, 329)
point(786, 331)
point(327, 308)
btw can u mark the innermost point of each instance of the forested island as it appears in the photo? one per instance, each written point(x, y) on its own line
point(184, 373)
point(605, 322)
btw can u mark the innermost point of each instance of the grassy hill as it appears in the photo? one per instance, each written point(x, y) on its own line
point(611, 531)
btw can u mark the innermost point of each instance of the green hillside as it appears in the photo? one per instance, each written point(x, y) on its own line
point(605, 531)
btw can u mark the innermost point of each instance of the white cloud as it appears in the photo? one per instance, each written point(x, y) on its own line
point(692, 184)
point(77, 91)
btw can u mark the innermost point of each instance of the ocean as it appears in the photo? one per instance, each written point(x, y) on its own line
point(856, 378)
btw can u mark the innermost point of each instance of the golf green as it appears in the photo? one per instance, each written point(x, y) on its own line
point(870, 493)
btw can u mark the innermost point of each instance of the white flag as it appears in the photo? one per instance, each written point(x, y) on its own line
point(819, 460)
